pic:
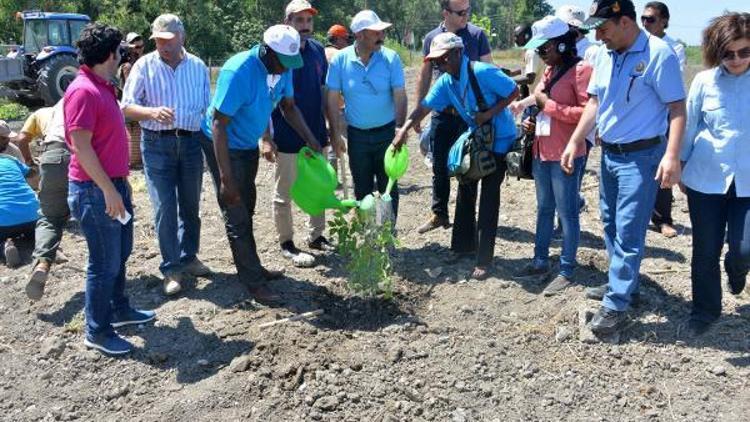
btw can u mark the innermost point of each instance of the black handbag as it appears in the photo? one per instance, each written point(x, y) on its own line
point(520, 157)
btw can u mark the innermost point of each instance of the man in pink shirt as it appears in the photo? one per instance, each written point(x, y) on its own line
point(99, 193)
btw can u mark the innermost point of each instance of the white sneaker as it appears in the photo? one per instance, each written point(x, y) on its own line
point(172, 284)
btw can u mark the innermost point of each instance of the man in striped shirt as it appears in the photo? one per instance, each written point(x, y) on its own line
point(168, 91)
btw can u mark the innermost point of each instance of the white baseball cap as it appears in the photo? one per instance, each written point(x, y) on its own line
point(546, 29)
point(572, 15)
point(296, 6)
point(284, 40)
point(166, 26)
point(443, 43)
point(367, 19)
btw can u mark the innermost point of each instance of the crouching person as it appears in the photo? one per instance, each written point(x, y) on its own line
point(98, 192)
point(454, 88)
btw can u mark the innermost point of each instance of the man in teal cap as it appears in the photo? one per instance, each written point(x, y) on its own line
point(250, 85)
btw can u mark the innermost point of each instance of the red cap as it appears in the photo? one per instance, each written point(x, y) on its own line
point(338, 31)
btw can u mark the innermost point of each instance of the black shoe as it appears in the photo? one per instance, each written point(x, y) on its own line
point(598, 292)
point(697, 327)
point(607, 321)
point(736, 282)
point(321, 244)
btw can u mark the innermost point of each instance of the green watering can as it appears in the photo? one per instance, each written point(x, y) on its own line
point(396, 163)
point(313, 190)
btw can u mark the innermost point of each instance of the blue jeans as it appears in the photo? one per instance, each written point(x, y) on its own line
point(174, 176)
point(110, 244)
point(366, 152)
point(556, 190)
point(712, 216)
point(627, 192)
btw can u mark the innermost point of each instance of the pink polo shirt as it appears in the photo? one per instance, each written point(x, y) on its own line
point(90, 104)
point(565, 108)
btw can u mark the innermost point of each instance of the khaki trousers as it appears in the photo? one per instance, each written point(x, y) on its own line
point(286, 173)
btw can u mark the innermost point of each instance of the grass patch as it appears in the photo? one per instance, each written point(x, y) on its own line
point(76, 324)
point(12, 111)
point(694, 55)
point(408, 57)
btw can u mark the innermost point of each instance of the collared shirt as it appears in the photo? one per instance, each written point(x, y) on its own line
point(634, 89)
point(308, 96)
point(587, 50)
point(495, 86)
point(90, 104)
point(242, 93)
point(564, 107)
point(46, 124)
point(678, 49)
point(475, 41)
point(367, 90)
point(19, 204)
point(716, 146)
point(185, 89)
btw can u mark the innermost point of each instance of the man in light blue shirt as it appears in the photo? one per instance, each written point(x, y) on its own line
point(632, 92)
point(371, 80)
point(250, 85)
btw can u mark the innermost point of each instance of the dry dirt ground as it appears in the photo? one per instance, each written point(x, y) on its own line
point(443, 349)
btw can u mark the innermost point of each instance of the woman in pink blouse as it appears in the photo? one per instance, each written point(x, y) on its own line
point(560, 98)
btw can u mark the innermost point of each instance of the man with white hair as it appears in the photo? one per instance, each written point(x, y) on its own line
point(168, 91)
point(371, 79)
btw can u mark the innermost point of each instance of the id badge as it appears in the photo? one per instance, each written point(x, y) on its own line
point(543, 123)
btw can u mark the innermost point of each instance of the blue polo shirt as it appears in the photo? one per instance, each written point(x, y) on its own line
point(634, 89)
point(367, 90)
point(18, 203)
point(242, 93)
point(475, 41)
point(308, 95)
point(495, 86)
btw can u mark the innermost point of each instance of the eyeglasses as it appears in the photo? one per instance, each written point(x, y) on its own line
point(730, 55)
point(461, 13)
point(138, 47)
point(647, 19)
point(542, 49)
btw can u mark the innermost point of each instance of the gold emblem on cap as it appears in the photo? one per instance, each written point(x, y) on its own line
point(616, 7)
point(594, 6)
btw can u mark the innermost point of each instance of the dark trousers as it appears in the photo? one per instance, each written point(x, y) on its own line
point(53, 201)
point(713, 217)
point(470, 234)
point(663, 207)
point(366, 153)
point(444, 131)
point(238, 218)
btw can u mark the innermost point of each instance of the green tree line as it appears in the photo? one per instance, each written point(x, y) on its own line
point(219, 28)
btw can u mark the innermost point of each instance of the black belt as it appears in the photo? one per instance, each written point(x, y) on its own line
point(451, 111)
point(180, 133)
point(631, 146)
point(375, 129)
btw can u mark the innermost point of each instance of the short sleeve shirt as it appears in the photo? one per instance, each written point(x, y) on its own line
point(19, 204)
point(367, 90)
point(475, 41)
point(495, 86)
point(90, 104)
point(36, 125)
point(243, 93)
point(308, 96)
point(634, 89)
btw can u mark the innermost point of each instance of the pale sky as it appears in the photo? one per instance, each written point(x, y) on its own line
point(688, 17)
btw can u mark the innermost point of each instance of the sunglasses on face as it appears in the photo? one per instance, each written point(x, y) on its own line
point(542, 49)
point(460, 13)
point(730, 55)
point(647, 19)
point(138, 47)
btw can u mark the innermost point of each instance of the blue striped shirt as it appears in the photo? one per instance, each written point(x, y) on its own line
point(185, 89)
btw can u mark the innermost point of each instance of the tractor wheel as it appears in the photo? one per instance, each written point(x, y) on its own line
point(55, 76)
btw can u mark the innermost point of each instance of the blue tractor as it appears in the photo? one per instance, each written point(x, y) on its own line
point(39, 70)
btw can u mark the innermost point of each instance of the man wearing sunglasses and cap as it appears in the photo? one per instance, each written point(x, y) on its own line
point(250, 85)
point(168, 91)
point(632, 91)
point(371, 79)
point(446, 125)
